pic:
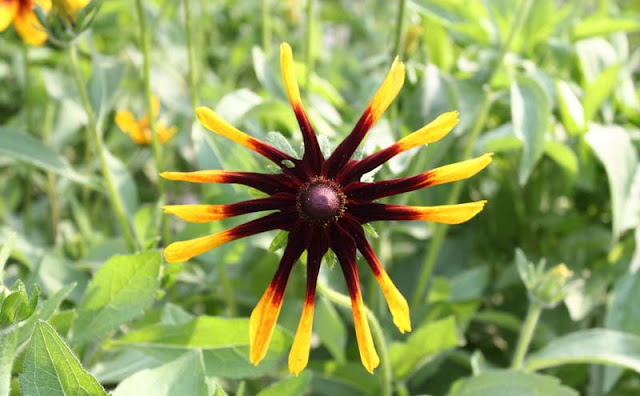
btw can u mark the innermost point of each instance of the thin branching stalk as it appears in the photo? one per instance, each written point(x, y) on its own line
point(51, 177)
point(96, 137)
point(526, 334)
point(190, 53)
point(28, 200)
point(155, 142)
point(440, 230)
point(397, 41)
point(376, 332)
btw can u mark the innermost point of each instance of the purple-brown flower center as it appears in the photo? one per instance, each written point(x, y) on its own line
point(320, 201)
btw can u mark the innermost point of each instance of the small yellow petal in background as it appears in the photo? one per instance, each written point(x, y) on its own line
point(165, 133)
point(8, 10)
point(45, 4)
point(29, 28)
point(155, 106)
point(126, 121)
point(73, 6)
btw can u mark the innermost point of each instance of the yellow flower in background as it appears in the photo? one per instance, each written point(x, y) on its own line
point(69, 8)
point(140, 130)
point(20, 12)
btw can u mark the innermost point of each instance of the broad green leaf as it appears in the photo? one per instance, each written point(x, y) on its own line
point(563, 156)
point(8, 346)
point(51, 368)
point(46, 311)
point(510, 383)
point(595, 346)
point(224, 344)
point(124, 184)
point(265, 74)
point(233, 106)
point(469, 284)
point(183, 376)
point(531, 116)
point(601, 25)
point(289, 386)
point(623, 314)
point(219, 391)
point(25, 148)
point(599, 90)
point(615, 150)
point(145, 223)
point(118, 293)
point(571, 110)
point(277, 140)
point(106, 74)
point(330, 329)
point(424, 342)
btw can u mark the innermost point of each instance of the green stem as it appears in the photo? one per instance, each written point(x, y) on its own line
point(440, 230)
point(28, 199)
point(116, 200)
point(227, 290)
point(266, 27)
point(526, 334)
point(190, 53)
point(308, 54)
point(397, 42)
point(155, 142)
point(51, 177)
point(376, 333)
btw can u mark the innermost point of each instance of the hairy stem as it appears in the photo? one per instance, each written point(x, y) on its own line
point(526, 334)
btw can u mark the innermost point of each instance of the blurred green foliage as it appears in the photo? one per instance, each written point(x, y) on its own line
point(551, 87)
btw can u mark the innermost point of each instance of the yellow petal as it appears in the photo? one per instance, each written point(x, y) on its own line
point(29, 28)
point(299, 354)
point(215, 123)
point(73, 6)
point(457, 171)
point(368, 354)
point(185, 250)
point(8, 10)
point(386, 93)
point(288, 75)
point(205, 176)
point(449, 214)
point(45, 4)
point(262, 323)
point(396, 302)
point(155, 106)
point(126, 121)
point(197, 213)
point(433, 131)
point(165, 133)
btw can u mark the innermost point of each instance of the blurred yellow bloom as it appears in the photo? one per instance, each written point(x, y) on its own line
point(69, 8)
point(140, 130)
point(20, 12)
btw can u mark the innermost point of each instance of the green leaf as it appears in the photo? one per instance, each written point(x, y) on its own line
point(49, 307)
point(330, 329)
point(8, 346)
point(531, 115)
point(224, 344)
point(601, 346)
point(279, 241)
point(118, 293)
point(424, 342)
point(510, 383)
point(563, 156)
point(289, 386)
point(571, 110)
point(106, 74)
point(145, 223)
point(264, 73)
point(623, 314)
point(219, 391)
point(601, 25)
point(277, 140)
point(614, 149)
point(599, 90)
point(51, 368)
point(183, 376)
point(25, 148)
point(369, 230)
point(17, 306)
point(124, 184)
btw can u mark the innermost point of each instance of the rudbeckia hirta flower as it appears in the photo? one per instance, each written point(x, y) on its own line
point(20, 12)
point(323, 204)
point(140, 130)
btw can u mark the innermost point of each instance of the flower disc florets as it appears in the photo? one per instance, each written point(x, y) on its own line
point(320, 201)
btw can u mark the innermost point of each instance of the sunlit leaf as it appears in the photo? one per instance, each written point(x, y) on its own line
point(510, 383)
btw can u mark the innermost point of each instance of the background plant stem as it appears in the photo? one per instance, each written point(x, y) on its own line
point(28, 199)
point(376, 332)
point(440, 230)
point(266, 27)
point(308, 53)
point(157, 148)
point(116, 200)
point(526, 334)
